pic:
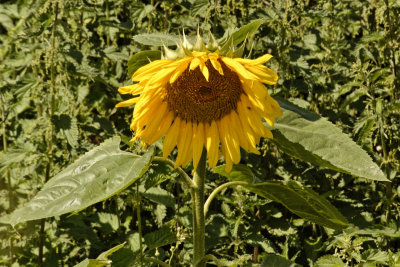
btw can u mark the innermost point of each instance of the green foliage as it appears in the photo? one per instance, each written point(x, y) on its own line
point(61, 63)
point(99, 174)
point(308, 137)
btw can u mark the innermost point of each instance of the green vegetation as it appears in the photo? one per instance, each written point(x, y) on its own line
point(324, 192)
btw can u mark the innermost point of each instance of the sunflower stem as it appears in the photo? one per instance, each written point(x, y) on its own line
point(198, 212)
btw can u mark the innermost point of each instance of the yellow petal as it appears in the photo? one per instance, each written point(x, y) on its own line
point(263, 74)
point(127, 89)
point(149, 69)
point(171, 138)
point(127, 102)
point(154, 122)
point(205, 72)
point(182, 67)
point(163, 128)
point(257, 61)
point(184, 141)
point(162, 76)
point(234, 121)
point(229, 139)
point(212, 143)
point(198, 142)
point(195, 63)
point(228, 160)
point(217, 66)
point(238, 68)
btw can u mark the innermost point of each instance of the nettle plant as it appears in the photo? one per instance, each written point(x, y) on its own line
point(210, 102)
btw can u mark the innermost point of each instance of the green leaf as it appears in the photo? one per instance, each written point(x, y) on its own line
point(301, 201)
point(329, 261)
point(93, 263)
point(101, 259)
point(294, 196)
point(161, 237)
point(67, 125)
point(199, 7)
point(140, 59)
point(106, 254)
point(160, 212)
point(240, 35)
point(239, 172)
point(307, 136)
point(160, 196)
point(99, 174)
point(109, 222)
point(157, 39)
point(272, 260)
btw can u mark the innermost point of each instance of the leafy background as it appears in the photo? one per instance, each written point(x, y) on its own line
point(61, 63)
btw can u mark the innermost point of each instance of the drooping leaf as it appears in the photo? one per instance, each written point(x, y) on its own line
point(99, 174)
point(297, 198)
point(302, 201)
point(142, 58)
point(309, 137)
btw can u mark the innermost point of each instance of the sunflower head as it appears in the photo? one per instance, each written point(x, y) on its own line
point(203, 96)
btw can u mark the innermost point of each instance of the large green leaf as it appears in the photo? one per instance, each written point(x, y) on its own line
point(157, 39)
point(302, 201)
point(95, 176)
point(295, 197)
point(309, 137)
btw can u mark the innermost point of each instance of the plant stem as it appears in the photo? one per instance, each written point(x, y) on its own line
point(396, 92)
point(389, 193)
point(139, 222)
point(50, 135)
point(198, 212)
point(217, 190)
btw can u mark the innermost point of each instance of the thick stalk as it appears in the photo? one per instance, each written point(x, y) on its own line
point(198, 212)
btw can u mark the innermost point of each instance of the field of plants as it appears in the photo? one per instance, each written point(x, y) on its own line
point(75, 191)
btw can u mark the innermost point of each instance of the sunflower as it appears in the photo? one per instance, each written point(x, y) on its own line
point(200, 98)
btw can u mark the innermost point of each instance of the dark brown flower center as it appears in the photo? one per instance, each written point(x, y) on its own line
point(192, 98)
